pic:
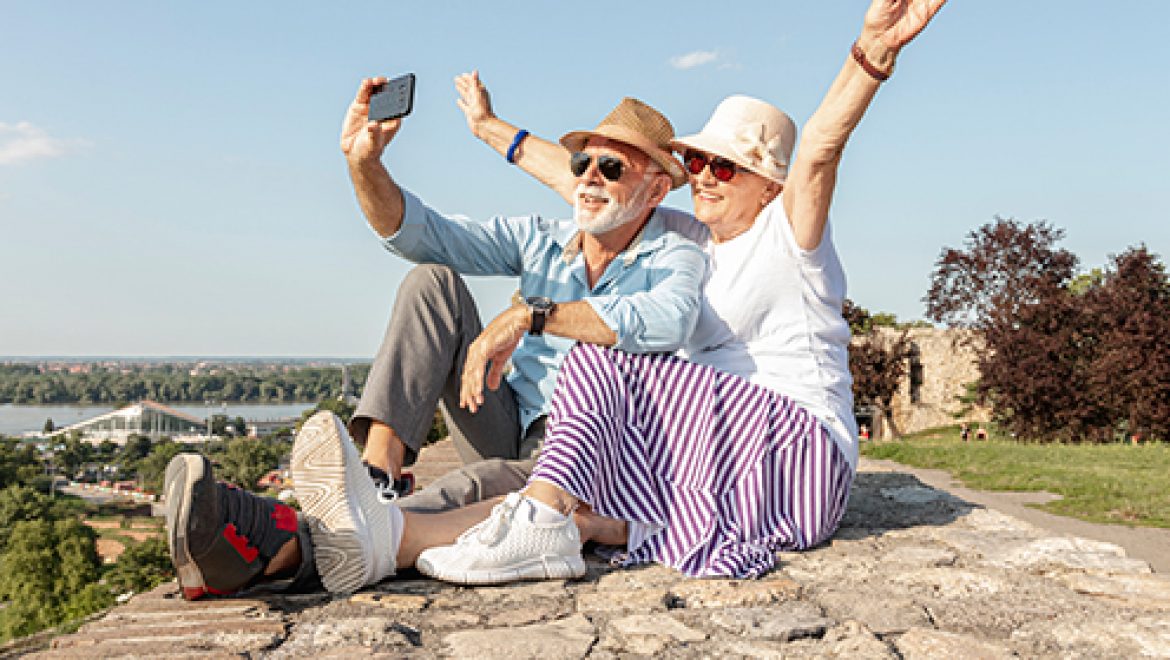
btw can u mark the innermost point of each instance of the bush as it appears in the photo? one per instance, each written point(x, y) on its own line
point(141, 567)
point(42, 598)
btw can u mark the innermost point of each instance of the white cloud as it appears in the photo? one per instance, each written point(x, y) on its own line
point(694, 59)
point(22, 142)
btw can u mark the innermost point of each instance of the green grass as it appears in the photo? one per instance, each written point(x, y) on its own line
point(1117, 483)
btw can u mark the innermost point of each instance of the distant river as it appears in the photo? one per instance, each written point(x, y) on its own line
point(15, 420)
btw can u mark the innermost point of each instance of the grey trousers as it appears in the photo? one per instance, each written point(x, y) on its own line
point(418, 366)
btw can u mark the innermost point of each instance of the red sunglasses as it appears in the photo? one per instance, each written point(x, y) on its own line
point(721, 168)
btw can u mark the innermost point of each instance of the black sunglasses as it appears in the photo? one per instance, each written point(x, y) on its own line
point(611, 167)
point(721, 168)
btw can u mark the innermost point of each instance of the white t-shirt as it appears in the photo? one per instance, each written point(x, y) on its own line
point(772, 314)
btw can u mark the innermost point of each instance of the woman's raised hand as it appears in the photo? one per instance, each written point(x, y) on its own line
point(474, 100)
point(894, 23)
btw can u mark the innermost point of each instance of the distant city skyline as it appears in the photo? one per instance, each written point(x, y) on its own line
point(171, 184)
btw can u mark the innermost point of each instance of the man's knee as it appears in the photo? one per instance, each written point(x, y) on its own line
point(428, 280)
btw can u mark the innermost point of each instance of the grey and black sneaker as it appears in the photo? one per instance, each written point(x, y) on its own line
point(390, 489)
point(221, 537)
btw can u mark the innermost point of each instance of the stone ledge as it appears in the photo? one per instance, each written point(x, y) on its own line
point(913, 572)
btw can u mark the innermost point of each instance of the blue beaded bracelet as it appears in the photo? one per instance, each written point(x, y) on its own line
point(511, 155)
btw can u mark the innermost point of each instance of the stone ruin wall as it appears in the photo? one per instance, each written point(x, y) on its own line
point(947, 365)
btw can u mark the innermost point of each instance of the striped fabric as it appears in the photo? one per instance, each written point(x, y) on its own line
point(725, 471)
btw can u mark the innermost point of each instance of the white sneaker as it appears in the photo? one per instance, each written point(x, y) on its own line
point(355, 533)
point(508, 546)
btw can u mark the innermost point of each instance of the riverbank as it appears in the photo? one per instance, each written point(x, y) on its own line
point(18, 419)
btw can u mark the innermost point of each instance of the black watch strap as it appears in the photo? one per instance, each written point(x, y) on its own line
point(540, 307)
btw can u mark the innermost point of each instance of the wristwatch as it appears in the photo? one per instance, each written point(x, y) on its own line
point(541, 307)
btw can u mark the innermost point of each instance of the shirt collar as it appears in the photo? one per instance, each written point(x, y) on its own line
point(646, 240)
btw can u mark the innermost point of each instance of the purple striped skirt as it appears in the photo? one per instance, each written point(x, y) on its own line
point(724, 471)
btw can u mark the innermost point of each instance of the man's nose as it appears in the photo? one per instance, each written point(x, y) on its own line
point(592, 174)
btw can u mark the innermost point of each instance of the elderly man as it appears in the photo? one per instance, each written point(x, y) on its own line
point(621, 274)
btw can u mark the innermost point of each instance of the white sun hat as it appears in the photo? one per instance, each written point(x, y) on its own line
point(749, 132)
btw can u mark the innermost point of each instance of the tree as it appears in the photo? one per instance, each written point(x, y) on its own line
point(20, 504)
point(245, 460)
point(73, 454)
point(106, 450)
point(42, 598)
point(337, 406)
point(152, 469)
point(19, 463)
point(1035, 374)
point(878, 359)
point(1063, 357)
point(141, 567)
point(1002, 266)
point(1010, 282)
point(219, 424)
point(1131, 375)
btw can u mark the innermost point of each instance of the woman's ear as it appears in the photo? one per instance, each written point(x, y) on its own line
point(770, 192)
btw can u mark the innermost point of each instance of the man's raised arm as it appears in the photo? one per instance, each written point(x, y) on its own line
point(547, 161)
point(362, 142)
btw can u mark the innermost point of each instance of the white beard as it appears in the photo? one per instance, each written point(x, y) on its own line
point(611, 217)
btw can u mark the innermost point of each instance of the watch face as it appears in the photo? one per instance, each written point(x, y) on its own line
point(539, 303)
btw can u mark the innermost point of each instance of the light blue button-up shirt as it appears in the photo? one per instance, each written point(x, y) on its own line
point(648, 296)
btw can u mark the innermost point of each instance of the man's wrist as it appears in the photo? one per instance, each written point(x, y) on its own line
point(523, 317)
point(483, 129)
point(540, 309)
point(365, 165)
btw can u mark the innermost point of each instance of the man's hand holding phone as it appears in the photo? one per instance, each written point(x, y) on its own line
point(375, 116)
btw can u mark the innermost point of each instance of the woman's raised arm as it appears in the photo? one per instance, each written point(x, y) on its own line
point(547, 161)
point(889, 25)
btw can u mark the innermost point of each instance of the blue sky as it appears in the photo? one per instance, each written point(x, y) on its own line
point(171, 184)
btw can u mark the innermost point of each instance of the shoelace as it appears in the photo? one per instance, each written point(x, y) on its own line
point(491, 530)
point(389, 489)
point(386, 492)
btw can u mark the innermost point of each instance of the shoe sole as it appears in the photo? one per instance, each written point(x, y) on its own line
point(327, 471)
point(540, 568)
point(183, 472)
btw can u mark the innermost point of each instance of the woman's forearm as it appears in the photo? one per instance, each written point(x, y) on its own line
point(843, 106)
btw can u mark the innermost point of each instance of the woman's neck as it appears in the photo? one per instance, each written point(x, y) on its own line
point(725, 232)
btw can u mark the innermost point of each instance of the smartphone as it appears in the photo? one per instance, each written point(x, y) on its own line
point(393, 100)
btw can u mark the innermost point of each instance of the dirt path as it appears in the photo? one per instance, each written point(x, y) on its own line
point(1146, 543)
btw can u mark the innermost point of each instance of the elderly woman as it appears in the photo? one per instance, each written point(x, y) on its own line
point(744, 445)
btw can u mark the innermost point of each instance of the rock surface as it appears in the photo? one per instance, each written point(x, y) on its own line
point(912, 573)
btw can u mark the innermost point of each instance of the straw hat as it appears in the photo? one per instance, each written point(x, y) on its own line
point(749, 132)
point(640, 126)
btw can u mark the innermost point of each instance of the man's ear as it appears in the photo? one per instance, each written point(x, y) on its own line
point(661, 187)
